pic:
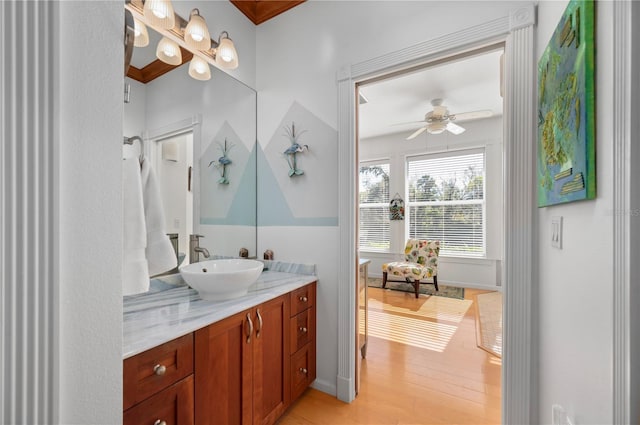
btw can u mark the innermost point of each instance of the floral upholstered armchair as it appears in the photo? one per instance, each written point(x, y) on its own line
point(420, 262)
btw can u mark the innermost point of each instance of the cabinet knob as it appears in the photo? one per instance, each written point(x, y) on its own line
point(302, 329)
point(303, 299)
point(159, 369)
point(159, 422)
point(304, 370)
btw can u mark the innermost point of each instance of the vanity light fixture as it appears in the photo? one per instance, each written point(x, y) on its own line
point(168, 51)
point(141, 34)
point(199, 69)
point(159, 13)
point(196, 33)
point(177, 33)
point(226, 55)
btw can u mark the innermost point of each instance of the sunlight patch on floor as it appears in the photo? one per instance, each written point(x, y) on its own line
point(437, 308)
point(410, 331)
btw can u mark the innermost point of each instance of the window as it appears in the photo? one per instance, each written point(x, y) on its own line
point(374, 207)
point(446, 201)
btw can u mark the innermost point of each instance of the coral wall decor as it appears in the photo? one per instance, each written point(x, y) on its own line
point(293, 150)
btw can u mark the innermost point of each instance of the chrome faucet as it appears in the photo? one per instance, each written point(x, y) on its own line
point(195, 249)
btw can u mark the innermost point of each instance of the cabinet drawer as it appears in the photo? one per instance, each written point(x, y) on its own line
point(303, 370)
point(173, 406)
point(303, 298)
point(153, 370)
point(302, 329)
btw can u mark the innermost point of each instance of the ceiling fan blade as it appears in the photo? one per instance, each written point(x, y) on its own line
point(407, 123)
point(454, 128)
point(473, 115)
point(417, 133)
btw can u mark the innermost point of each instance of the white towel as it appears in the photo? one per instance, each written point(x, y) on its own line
point(160, 254)
point(135, 277)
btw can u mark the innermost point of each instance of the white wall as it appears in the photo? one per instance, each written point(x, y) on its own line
point(487, 133)
point(313, 41)
point(576, 299)
point(135, 119)
point(90, 212)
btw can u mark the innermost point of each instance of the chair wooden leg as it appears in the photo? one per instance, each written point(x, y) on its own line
point(384, 280)
point(435, 282)
point(416, 286)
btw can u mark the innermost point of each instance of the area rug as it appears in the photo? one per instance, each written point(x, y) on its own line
point(426, 289)
point(489, 322)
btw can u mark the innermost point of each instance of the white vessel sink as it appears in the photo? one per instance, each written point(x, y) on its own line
point(217, 280)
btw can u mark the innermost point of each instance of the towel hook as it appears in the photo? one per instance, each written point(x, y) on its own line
point(130, 140)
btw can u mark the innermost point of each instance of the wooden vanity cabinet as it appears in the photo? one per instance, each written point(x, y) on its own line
point(242, 366)
point(302, 328)
point(245, 369)
point(158, 385)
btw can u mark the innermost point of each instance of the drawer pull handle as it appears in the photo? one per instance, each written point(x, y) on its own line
point(159, 369)
point(159, 422)
point(302, 329)
point(303, 370)
point(259, 324)
point(250, 330)
point(303, 299)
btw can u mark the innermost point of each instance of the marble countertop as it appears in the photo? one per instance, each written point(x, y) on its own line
point(171, 308)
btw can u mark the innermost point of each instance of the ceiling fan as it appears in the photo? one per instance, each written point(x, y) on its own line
point(439, 119)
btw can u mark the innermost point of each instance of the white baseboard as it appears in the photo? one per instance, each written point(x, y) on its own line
point(324, 386)
point(343, 390)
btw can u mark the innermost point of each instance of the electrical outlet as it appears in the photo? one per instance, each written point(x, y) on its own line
point(556, 232)
point(559, 416)
point(176, 223)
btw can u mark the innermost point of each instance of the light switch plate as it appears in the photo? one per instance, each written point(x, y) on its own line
point(556, 232)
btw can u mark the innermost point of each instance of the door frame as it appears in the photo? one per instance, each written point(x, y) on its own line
point(516, 30)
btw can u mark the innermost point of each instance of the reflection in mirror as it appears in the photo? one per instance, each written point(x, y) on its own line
point(185, 124)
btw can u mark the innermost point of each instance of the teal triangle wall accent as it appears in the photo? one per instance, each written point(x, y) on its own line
point(273, 209)
point(242, 211)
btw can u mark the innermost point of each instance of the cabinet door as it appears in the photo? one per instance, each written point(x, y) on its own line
point(271, 361)
point(223, 371)
point(171, 406)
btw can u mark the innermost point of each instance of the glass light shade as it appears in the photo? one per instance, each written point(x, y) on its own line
point(141, 33)
point(168, 51)
point(159, 13)
point(436, 127)
point(226, 56)
point(199, 69)
point(196, 33)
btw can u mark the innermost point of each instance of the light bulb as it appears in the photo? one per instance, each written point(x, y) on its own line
point(226, 55)
point(196, 33)
point(159, 13)
point(168, 51)
point(141, 34)
point(199, 69)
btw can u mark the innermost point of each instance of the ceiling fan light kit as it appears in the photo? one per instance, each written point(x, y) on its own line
point(439, 119)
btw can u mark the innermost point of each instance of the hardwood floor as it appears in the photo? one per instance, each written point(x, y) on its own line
point(422, 367)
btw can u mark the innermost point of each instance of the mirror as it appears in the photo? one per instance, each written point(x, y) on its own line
point(201, 139)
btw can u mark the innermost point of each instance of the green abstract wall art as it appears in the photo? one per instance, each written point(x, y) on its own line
point(566, 109)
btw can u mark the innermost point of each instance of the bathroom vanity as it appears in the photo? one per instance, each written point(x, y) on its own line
point(190, 361)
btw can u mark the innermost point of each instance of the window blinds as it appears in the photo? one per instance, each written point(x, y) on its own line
point(446, 201)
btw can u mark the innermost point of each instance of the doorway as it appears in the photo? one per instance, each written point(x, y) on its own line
point(172, 157)
point(516, 30)
point(430, 139)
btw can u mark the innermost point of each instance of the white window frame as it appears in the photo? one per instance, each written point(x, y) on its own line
point(369, 163)
point(483, 201)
